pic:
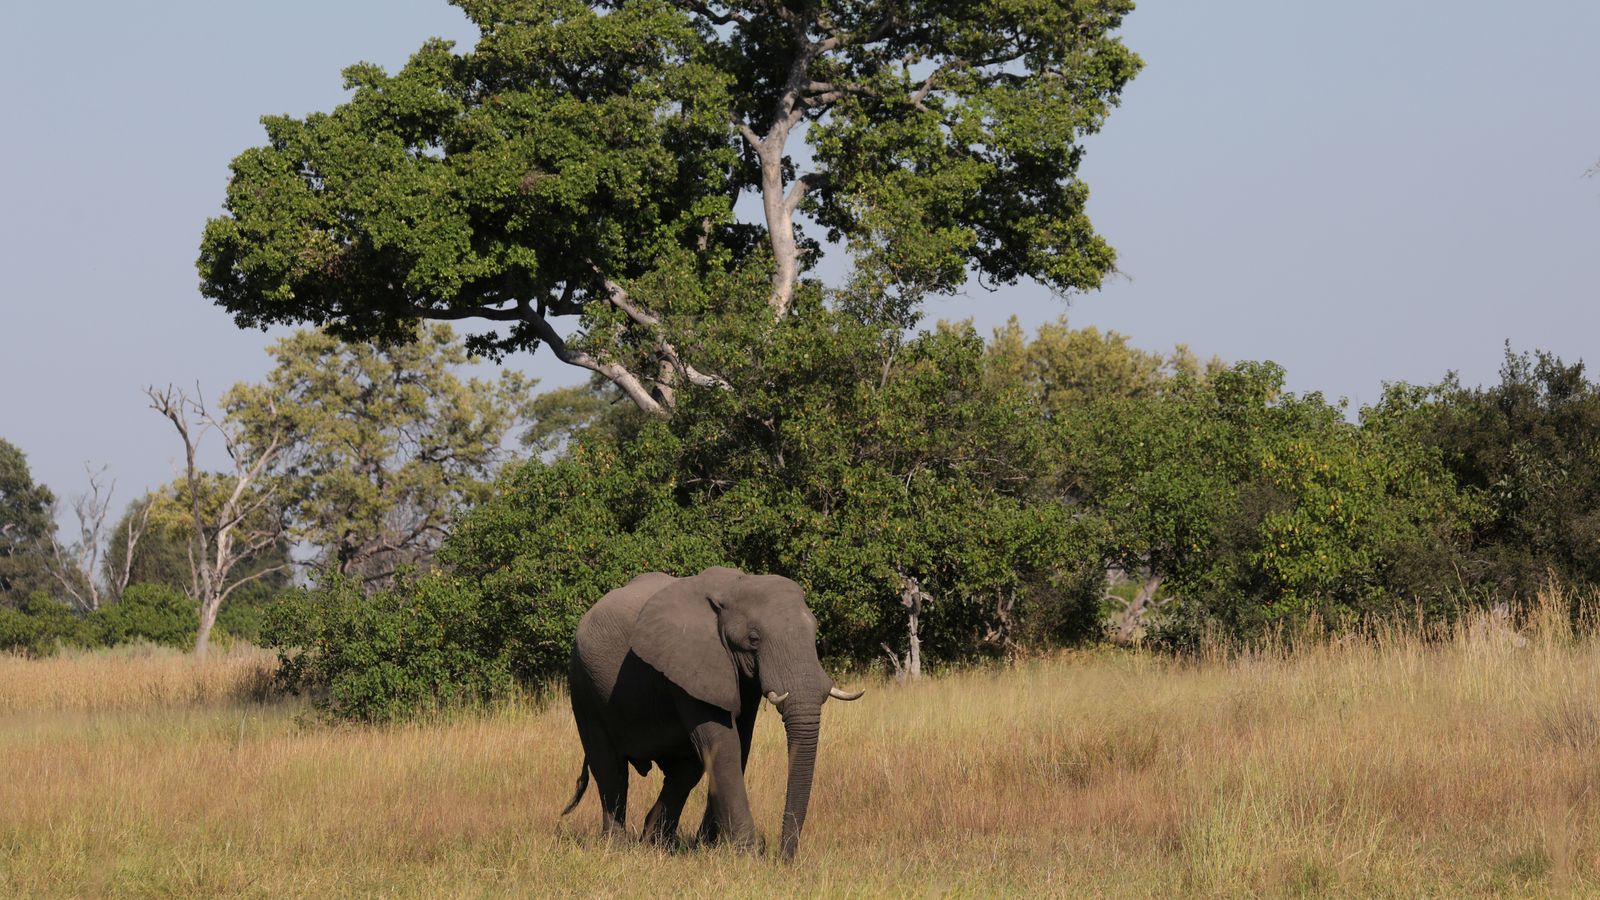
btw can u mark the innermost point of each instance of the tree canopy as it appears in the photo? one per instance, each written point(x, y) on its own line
point(585, 159)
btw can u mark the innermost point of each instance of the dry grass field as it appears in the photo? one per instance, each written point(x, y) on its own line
point(1386, 766)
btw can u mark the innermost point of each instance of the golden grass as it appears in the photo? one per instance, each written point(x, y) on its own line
point(1377, 767)
point(134, 677)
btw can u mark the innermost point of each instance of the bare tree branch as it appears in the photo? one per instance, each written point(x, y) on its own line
point(241, 526)
point(77, 568)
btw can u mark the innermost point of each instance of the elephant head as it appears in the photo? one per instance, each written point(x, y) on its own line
point(714, 632)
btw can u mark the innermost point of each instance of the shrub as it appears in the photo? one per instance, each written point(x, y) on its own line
point(41, 625)
point(151, 612)
point(1264, 509)
point(423, 643)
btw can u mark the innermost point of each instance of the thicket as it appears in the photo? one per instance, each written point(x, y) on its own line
point(861, 461)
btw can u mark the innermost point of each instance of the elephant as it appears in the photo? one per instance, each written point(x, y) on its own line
point(671, 672)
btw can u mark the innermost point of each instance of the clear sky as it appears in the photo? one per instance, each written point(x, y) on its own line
point(1367, 191)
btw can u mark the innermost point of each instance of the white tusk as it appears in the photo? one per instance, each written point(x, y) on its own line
point(775, 698)
point(837, 694)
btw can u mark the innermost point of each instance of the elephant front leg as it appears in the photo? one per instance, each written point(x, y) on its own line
point(745, 725)
point(727, 805)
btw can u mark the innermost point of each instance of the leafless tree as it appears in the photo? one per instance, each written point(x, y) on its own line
point(234, 515)
point(77, 568)
point(912, 596)
point(999, 634)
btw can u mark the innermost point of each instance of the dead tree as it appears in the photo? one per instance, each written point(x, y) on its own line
point(912, 596)
point(234, 515)
point(1128, 626)
point(77, 568)
point(999, 633)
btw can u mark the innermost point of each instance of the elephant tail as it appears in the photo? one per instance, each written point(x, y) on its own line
point(583, 785)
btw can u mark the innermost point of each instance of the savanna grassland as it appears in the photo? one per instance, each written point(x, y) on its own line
point(1386, 765)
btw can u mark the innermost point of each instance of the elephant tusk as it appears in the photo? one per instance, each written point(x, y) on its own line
point(775, 698)
point(837, 694)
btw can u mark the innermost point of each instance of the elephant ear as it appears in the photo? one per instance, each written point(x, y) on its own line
point(677, 635)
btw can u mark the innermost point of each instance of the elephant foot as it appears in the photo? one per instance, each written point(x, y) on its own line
point(753, 843)
point(663, 835)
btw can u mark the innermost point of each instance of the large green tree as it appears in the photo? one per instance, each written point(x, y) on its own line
point(26, 526)
point(585, 159)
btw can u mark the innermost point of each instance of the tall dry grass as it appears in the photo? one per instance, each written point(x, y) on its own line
point(1380, 766)
point(132, 677)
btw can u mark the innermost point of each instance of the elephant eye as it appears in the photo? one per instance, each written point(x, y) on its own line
point(755, 638)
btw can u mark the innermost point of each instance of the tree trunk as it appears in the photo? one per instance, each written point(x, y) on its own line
point(914, 653)
point(912, 596)
point(208, 619)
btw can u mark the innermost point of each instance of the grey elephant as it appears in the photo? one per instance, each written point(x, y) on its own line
point(671, 672)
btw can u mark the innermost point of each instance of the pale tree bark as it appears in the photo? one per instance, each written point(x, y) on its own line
point(119, 571)
point(1128, 626)
point(245, 520)
point(816, 36)
point(912, 596)
point(77, 568)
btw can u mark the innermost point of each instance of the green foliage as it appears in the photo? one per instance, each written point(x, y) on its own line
point(567, 141)
point(1525, 449)
point(1263, 508)
point(862, 462)
point(560, 415)
point(377, 657)
point(1064, 368)
point(41, 624)
point(148, 612)
point(382, 443)
point(556, 536)
point(957, 144)
point(26, 524)
point(856, 465)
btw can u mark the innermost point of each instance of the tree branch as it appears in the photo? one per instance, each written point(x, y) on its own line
point(714, 17)
point(618, 375)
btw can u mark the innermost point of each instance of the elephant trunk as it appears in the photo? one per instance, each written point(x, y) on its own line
point(801, 726)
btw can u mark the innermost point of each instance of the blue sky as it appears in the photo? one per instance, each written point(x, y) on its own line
point(1364, 192)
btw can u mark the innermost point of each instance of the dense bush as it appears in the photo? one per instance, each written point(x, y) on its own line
point(1262, 508)
point(851, 463)
point(1527, 453)
point(41, 625)
point(423, 643)
point(150, 612)
point(857, 460)
point(853, 459)
point(154, 613)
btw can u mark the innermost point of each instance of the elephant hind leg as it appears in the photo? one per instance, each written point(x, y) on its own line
point(681, 775)
point(610, 773)
point(611, 778)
